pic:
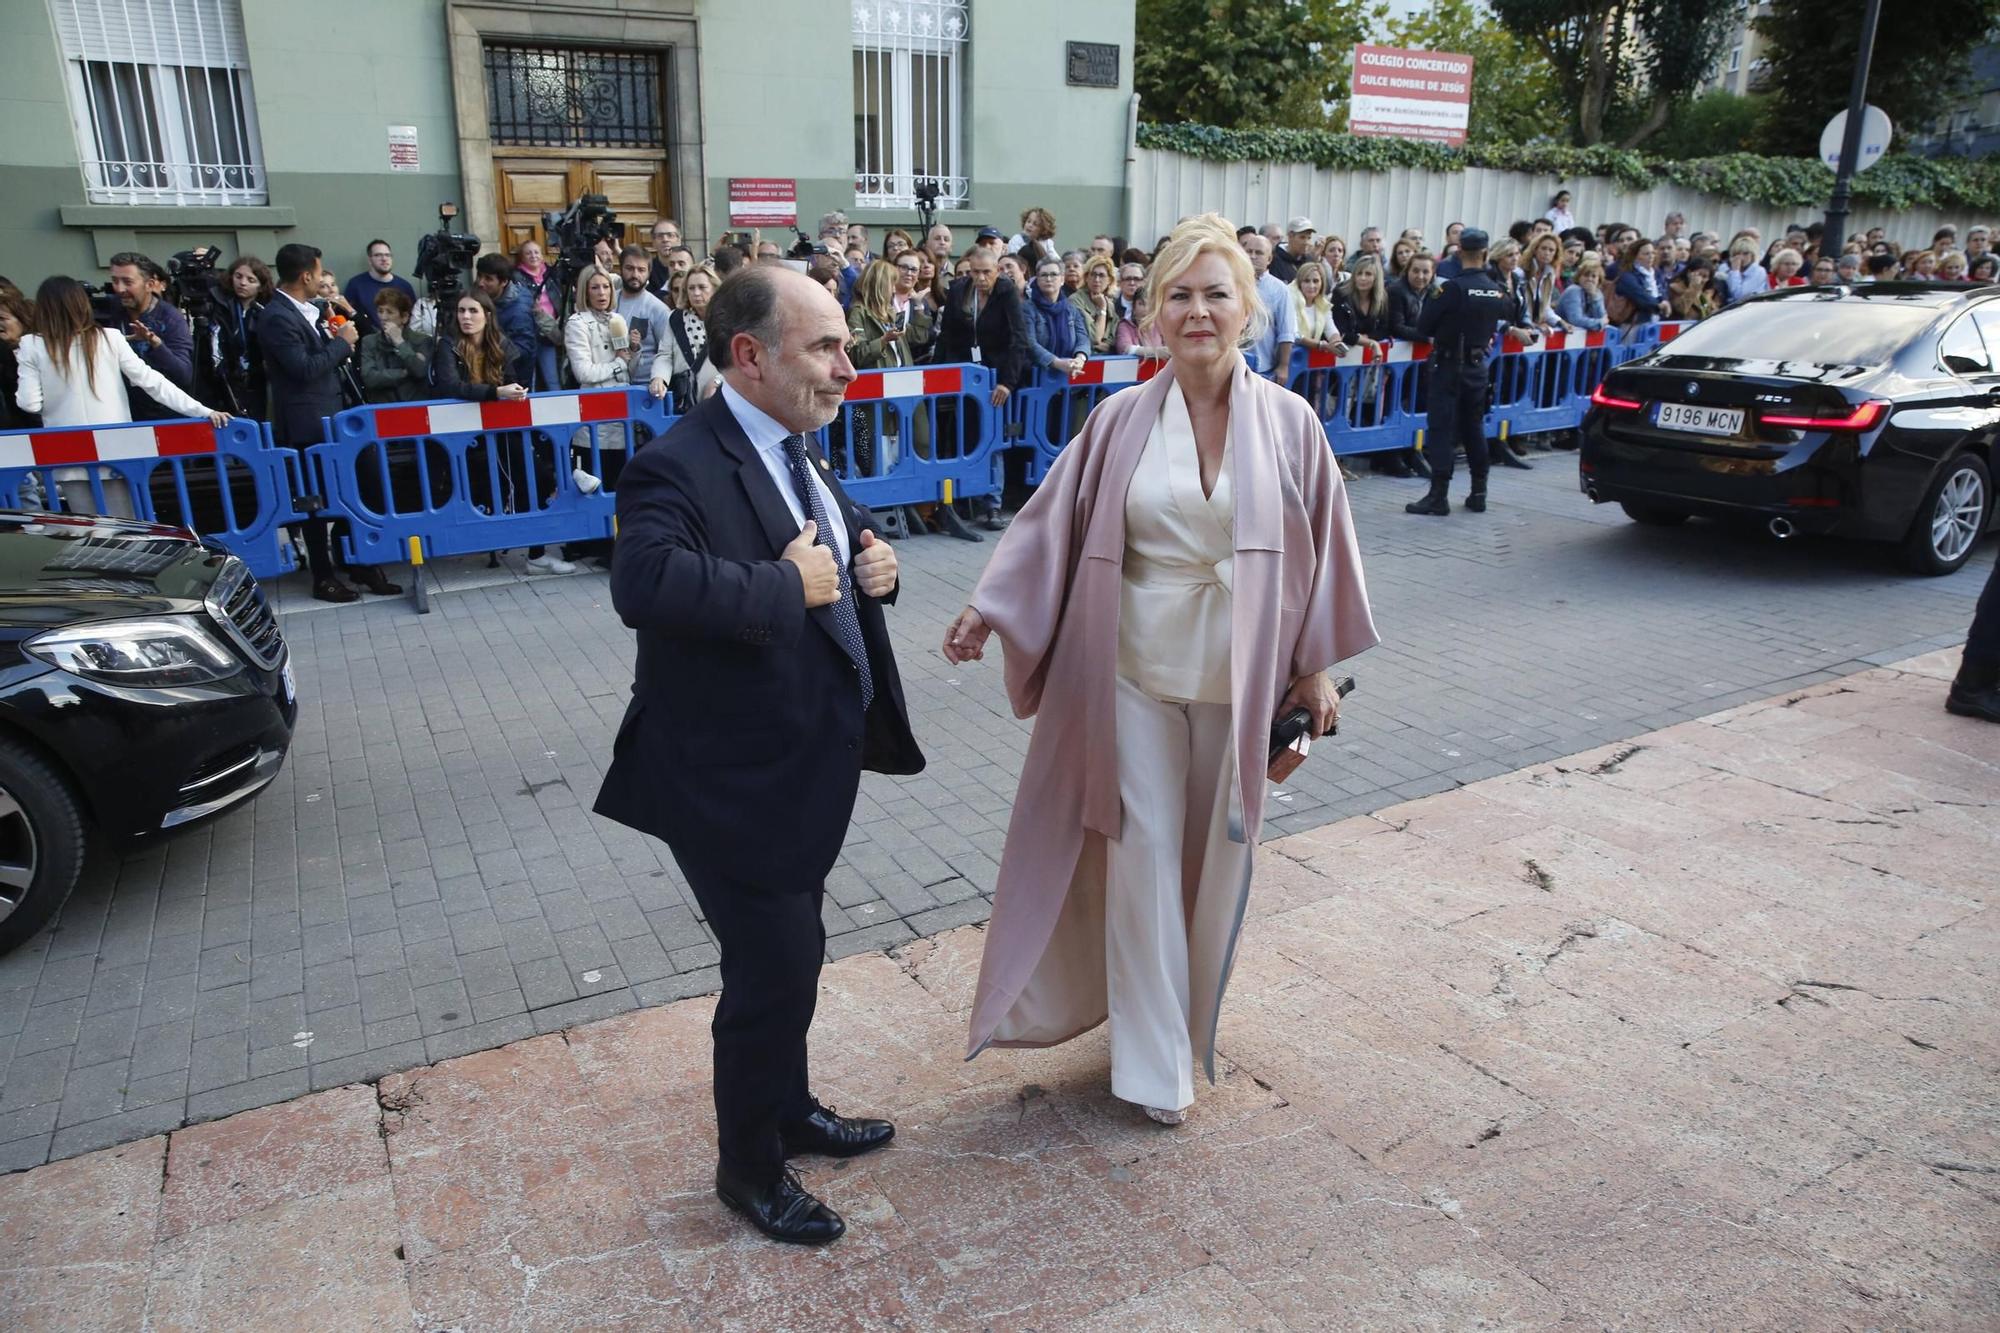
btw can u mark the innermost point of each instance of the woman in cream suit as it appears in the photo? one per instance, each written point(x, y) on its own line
point(1186, 573)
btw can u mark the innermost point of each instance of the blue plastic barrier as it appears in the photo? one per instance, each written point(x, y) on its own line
point(228, 483)
point(918, 435)
point(462, 478)
point(1052, 407)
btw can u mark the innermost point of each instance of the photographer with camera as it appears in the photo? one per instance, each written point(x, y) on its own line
point(70, 369)
point(156, 332)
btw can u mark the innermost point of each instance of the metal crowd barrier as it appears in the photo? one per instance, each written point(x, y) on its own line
point(229, 483)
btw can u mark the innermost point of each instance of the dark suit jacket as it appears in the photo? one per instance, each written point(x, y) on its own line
point(744, 743)
point(1001, 334)
point(1404, 306)
point(302, 365)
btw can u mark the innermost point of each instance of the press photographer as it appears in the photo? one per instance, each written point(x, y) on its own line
point(443, 256)
point(574, 236)
point(159, 334)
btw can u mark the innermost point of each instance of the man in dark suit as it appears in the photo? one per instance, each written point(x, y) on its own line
point(766, 683)
point(982, 322)
point(302, 364)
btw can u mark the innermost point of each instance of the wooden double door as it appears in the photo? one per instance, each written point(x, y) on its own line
point(532, 181)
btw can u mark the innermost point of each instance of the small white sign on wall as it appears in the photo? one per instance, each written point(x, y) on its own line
point(403, 148)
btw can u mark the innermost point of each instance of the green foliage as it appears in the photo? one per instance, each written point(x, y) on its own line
point(1713, 122)
point(1917, 71)
point(1897, 181)
point(1515, 96)
point(1621, 63)
point(1245, 62)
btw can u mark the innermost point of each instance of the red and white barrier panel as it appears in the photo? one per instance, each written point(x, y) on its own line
point(60, 448)
point(1118, 370)
point(1561, 341)
point(915, 382)
point(556, 409)
point(1382, 353)
point(1670, 330)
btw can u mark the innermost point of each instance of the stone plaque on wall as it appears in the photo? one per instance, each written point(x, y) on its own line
point(1093, 64)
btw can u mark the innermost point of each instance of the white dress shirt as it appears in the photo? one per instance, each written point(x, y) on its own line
point(768, 437)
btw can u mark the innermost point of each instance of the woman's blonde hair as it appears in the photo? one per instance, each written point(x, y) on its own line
point(1589, 266)
point(1091, 265)
point(1743, 245)
point(1206, 234)
point(1377, 299)
point(875, 290)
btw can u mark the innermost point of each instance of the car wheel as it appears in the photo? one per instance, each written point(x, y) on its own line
point(1951, 518)
point(1653, 515)
point(41, 843)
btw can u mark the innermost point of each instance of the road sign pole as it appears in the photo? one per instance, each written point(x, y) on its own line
point(1834, 238)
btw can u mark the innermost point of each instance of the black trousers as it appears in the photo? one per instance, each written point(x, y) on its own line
point(322, 556)
point(1982, 641)
point(772, 944)
point(1457, 420)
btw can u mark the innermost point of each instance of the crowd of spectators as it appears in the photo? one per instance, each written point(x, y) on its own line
point(1017, 303)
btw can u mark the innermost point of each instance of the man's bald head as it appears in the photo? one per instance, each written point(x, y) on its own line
point(780, 339)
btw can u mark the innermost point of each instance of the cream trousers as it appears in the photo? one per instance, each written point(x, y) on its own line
point(1170, 892)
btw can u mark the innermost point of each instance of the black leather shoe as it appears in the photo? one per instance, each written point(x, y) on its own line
point(782, 1210)
point(374, 580)
point(1975, 692)
point(333, 590)
point(832, 1135)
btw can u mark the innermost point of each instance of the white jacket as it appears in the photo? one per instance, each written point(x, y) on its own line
point(587, 341)
point(65, 398)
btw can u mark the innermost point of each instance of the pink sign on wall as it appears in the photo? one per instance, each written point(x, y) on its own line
point(1410, 94)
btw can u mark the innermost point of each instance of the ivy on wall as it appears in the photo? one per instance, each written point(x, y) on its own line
point(1897, 181)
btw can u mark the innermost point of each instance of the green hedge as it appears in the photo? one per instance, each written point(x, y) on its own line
point(1897, 181)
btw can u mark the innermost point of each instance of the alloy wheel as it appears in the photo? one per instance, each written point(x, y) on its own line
point(1956, 519)
point(19, 856)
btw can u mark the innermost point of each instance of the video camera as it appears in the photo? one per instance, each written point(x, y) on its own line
point(575, 232)
point(443, 256)
point(107, 309)
point(192, 282)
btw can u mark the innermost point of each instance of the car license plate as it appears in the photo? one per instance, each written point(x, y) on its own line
point(1699, 420)
point(290, 684)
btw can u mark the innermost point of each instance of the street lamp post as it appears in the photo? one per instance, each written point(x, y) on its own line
point(1835, 235)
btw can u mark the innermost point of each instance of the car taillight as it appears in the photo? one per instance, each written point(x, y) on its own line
point(1864, 417)
point(1599, 398)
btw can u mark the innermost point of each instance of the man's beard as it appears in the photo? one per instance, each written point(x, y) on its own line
point(632, 287)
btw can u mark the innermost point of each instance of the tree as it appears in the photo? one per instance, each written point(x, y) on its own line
point(1917, 71)
point(1516, 97)
point(1650, 54)
point(1716, 122)
point(1245, 63)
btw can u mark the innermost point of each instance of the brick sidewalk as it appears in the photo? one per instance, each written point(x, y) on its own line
point(1694, 1031)
point(424, 879)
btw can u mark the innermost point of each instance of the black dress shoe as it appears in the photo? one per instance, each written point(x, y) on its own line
point(782, 1210)
point(374, 580)
point(1975, 692)
point(832, 1135)
point(333, 590)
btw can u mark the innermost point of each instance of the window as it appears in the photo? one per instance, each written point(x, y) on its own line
point(1962, 352)
point(1817, 329)
point(1735, 59)
point(909, 66)
point(160, 90)
point(550, 97)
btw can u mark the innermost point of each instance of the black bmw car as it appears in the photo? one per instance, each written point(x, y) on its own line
point(144, 685)
point(1869, 411)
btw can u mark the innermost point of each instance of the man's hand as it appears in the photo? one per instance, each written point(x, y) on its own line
point(1000, 392)
point(348, 332)
point(965, 641)
point(817, 570)
point(875, 566)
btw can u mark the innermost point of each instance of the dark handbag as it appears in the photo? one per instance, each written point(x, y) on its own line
point(1298, 722)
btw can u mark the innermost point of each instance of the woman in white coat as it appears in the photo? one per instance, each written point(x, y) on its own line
point(600, 357)
point(74, 373)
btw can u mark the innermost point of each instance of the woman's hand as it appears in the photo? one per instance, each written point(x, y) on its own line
point(1315, 694)
point(218, 419)
point(965, 641)
point(657, 387)
point(511, 391)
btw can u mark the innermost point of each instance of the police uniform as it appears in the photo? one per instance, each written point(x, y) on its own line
point(1459, 323)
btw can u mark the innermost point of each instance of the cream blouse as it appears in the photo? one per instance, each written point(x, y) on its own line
point(1180, 546)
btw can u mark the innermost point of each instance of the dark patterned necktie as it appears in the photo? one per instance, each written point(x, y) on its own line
point(846, 623)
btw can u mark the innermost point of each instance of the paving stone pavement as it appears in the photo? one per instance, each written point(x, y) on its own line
point(1693, 1031)
point(424, 878)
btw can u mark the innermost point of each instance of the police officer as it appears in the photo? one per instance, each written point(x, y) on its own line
point(1459, 325)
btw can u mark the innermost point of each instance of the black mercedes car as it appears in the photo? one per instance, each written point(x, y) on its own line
point(1868, 411)
point(144, 685)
